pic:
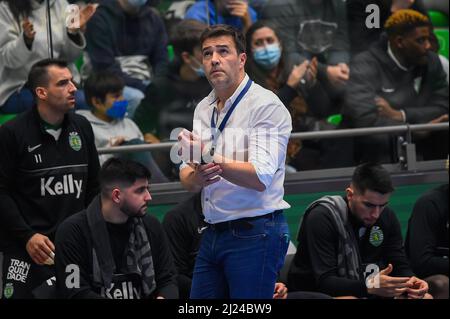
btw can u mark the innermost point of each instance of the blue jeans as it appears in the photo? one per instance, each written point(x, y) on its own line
point(241, 263)
point(23, 100)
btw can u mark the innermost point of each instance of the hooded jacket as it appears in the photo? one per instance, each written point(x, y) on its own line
point(16, 59)
point(104, 131)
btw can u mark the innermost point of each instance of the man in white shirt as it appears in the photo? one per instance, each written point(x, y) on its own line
point(242, 131)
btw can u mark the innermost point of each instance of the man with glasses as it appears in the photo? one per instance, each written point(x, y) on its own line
point(352, 245)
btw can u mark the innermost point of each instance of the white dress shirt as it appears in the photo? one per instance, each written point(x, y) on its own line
point(257, 132)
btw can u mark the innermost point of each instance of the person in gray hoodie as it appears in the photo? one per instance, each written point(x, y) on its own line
point(104, 94)
point(24, 41)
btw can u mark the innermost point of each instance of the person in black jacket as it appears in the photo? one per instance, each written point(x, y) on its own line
point(113, 249)
point(427, 240)
point(48, 171)
point(342, 240)
point(399, 80)
point(184, 225)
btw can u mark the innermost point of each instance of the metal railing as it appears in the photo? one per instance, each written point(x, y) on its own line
point(300, 135)
point(407, 171)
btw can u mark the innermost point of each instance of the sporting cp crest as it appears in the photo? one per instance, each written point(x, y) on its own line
point(75, 141)
point(9, 290)
point(376, 236)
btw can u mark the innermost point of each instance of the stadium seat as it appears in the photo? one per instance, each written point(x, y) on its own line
point(442, 36)
point(6, 117)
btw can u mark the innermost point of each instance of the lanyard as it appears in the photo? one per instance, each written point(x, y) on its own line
point(218, 131)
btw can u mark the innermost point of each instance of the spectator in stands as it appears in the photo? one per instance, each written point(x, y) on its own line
point(427, 240)
point(342, 239)
point(361, 36)
point(121, 251)
point(271, 68)
point(258, 5)
point(316, 28)
point(236, 13)
point(24, 41)
point(397, 81)
point(129, 38)
point(296, 86)
point(184, 225)
point(328, 40)
point(104, 94)
point(170, 100)
point(48, 171)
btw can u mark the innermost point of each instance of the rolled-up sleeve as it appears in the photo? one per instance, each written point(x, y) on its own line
point(268, 140)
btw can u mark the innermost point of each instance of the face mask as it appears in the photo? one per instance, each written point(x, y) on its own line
point(118, 109)
point(268, 56)
point(199, 70)
point(137, 3)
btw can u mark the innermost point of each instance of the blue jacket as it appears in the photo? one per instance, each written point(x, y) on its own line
point(198, 12)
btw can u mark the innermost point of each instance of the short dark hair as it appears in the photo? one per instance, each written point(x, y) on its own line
point(100, 83)
point(219, 30)
point(120, 172)
point(185, 36)
point(404, 21)
point(373, 177)
point(38, 75)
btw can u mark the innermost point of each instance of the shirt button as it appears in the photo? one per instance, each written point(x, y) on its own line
point(207, 199)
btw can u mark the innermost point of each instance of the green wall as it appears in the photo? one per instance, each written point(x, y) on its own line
point(402, 202)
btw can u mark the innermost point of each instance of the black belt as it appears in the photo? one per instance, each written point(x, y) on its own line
point(241, 223)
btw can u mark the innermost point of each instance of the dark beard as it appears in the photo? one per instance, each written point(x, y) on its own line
point(127, 210)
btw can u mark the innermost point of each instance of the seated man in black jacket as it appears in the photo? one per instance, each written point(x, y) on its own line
point(399, 80)
point(113, 249)
point(183, 225)
point(427, 240)
point(342, 239)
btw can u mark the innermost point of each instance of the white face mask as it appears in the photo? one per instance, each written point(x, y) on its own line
point(137, 3)
point(199, 68)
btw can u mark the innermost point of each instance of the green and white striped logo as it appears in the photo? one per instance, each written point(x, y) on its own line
point(376, 236)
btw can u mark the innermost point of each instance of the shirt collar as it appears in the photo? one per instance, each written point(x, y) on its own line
point(39, 120)
point(212, 98)
point(392, 56)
